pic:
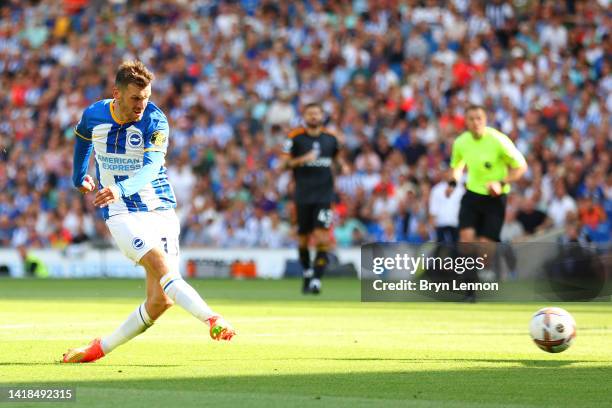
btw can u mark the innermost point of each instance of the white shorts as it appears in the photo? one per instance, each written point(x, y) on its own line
point(138, 232)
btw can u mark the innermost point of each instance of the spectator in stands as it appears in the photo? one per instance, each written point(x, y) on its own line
point(532, 219)
point(560, 205)
point(512, 230)
point(348, 230)
point(231, 76)
point(590, 213)
point(444, 204)
point(591, 190)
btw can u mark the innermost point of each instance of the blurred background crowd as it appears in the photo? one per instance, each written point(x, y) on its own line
point(393, 76)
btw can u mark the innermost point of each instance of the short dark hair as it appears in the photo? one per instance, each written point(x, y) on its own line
point(474, 107)
point(133, 72)
point(313, 105)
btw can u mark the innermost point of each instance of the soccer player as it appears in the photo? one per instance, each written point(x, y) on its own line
point(310, 151)
point(492, 162)
point(129, 135)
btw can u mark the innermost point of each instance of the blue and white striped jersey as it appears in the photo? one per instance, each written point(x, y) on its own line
point(119, 149)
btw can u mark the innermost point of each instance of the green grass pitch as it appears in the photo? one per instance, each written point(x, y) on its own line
point(299, 351)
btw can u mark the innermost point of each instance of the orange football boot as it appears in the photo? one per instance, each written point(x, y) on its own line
point(220, 329)
point(86, 354)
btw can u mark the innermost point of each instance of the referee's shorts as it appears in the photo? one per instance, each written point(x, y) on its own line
point(483, 213)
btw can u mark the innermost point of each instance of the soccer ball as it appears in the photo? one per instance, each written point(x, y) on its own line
point(552, 329)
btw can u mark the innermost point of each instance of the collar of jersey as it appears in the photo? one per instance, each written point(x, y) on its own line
point(112, 112)
point(480, 138)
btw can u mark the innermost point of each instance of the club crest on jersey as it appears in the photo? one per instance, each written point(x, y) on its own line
point(134, 139)
point(138, 243)
point(158, 138)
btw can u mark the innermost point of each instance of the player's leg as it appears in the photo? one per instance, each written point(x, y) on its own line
point(322, 242)
point(126, 229)
point(467, 235)
point(305, 226)
point(142, 318)
point(468, 218)
point(490, 219)
point(143, 244)
point(164, 266)
point(321, 237)
point(304, 255)
point(488, 234)
point(147, 313)
point(129, 229)
point(493, 219)
point(157, 301)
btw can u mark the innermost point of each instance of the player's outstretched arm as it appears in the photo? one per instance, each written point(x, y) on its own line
point(152, 162)
point(515, 174)
point(291, 162)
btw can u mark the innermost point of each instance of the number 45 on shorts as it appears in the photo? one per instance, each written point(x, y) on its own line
point(325, 217)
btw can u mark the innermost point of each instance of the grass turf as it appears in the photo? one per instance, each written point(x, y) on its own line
point(299, 351)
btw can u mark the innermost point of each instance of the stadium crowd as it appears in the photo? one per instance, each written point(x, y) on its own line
point(394, 78)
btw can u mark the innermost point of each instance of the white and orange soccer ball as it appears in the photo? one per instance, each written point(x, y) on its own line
point(552, 329)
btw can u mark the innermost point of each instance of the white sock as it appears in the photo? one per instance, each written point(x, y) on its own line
point(186, 296)
point(136, 323)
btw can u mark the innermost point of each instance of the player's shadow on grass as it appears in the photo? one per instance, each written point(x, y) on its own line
point(552, 363)
point(53, 363)
point(516, 386)
point(524, 362)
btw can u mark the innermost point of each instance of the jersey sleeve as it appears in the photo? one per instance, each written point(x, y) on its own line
point(152, 162)
point(82, 129)
point(289, 147)
point(82, 149)
point(158, 132)
point(80, 162)
point(509, 153)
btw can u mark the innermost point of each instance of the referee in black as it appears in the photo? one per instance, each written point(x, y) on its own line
point(311, 152)
point(492, 162)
